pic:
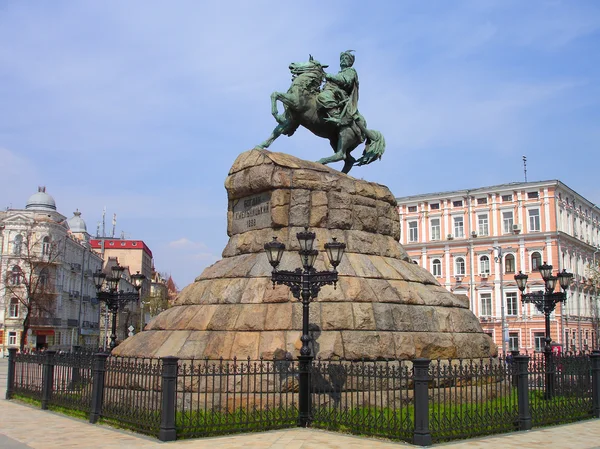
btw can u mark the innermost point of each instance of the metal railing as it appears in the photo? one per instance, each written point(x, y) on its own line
point(419, 401)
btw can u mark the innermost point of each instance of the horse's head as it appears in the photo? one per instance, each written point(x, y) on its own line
point(312, 66)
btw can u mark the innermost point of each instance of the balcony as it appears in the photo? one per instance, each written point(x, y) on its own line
point(41, 321)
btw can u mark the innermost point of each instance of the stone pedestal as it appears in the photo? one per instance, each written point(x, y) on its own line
point(384, 305)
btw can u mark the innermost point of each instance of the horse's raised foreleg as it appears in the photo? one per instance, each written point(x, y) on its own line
point(287, 102)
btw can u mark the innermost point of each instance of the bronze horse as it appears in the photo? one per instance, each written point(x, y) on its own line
point(301, 108)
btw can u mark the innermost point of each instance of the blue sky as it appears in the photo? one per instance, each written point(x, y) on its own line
point(142, 106)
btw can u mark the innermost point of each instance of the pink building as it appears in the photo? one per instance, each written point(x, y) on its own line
point(474, 241)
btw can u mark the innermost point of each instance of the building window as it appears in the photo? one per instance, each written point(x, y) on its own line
point(435, 229)
point(459, 227)
point(484, 265)
point(459, 266)
point(512, 304)
point(533, 195)
point(540, 341)
point(486, 304)
point(16, 276)
point(507, 222)
point(509, 263)
point(43, 279)
point(534, 219)
point(12, 338)
point(413, 231)
point(536, 261)
point(46, 246)
point(436, 267)
point(482, 219)
point(457, 203)
point(18, 245)
point(513, 341)
point(13, 310)
point(435, 206)
point(412, 208)
point(507, 198)
point(481, 200)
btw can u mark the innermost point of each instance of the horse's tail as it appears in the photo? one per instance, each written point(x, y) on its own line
point(374, 148)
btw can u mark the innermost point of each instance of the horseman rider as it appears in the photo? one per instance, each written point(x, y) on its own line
point(339, 97)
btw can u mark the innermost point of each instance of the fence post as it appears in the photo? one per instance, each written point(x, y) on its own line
point(524, 421)
point(10, 380)
point(167, 431)
point(98, 374)
point(595, 358)
point(47, 378)
point(421, 433)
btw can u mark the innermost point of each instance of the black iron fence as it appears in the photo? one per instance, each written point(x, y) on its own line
point(419, 401)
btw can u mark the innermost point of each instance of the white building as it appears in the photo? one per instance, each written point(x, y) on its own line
point(39, 238)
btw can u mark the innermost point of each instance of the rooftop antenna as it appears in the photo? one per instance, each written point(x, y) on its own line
point(525, 167)
point(114, 223)
point(98, 230)
point(104, 222)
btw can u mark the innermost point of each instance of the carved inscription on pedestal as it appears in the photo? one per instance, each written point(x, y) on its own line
point(251, 212)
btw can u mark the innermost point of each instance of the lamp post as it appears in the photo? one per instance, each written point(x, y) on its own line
point(108, 291)
point(305, 284)
point(546, 302)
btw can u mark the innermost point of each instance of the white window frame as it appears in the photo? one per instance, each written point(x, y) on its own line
point(413, 231)
point(12, 338)
point(46, 245)
point(459, 266)
point(507, 223)
point(484, 270)
point(514, 263)
point(534, 220)
point(436, 229)
point(13, 308)
point(514, 303)
point(459, 231)
point(511, 338)
point(483, 306)
point(436, 267)
point(483, 224)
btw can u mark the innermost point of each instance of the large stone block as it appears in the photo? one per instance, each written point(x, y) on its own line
point(384, 306)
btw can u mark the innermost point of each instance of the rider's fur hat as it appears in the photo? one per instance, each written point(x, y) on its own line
point(349, 54)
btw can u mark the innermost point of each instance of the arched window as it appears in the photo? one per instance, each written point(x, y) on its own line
point(484, 265)
point(436, 267)
point(18, 244)
point(46, 246)
point(16, 275)
point(536, 261)
point(459, 266)
point(509, 263)
point(13, 310)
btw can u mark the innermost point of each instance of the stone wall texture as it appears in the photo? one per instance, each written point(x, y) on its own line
point(384, 306)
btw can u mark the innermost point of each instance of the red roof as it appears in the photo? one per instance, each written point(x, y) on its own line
point(120, 244)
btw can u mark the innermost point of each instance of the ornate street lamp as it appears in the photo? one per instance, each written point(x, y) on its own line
point(137, 280)
point(305, 284)
point(108, 291)
point(546, 302)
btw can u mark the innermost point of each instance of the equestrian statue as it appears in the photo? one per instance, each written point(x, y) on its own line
point(330, 112)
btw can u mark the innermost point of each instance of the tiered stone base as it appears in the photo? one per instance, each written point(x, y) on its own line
point(384, 305)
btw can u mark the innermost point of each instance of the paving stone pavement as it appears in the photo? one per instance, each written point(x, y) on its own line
point(26, 427)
